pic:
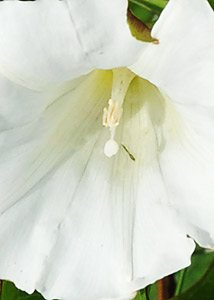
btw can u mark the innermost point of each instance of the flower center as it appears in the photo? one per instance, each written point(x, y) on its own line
point(122, 78)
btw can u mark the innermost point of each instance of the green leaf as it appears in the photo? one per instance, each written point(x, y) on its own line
point(201, 261)
point(203, 289)
point(143, 13)
point(187, 278)
point(143, 294)
point(139, 29)
point(11, 292)
point(211, 2)
point(147, 11)
point(156, 6)
point(140, 296)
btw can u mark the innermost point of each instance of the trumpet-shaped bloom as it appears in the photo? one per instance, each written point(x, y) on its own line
point(107, 146)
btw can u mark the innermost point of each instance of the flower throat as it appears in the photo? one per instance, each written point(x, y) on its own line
point(122, 78)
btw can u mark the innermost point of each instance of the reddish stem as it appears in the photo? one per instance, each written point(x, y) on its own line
point(166, 287)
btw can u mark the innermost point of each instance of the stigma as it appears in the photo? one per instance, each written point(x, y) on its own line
point(122, 78)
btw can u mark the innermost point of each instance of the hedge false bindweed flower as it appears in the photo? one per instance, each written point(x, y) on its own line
point(107, 160)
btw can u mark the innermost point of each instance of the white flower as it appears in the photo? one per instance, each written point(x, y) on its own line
point(74, 223)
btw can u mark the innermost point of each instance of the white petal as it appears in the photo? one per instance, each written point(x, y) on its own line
point(20, 105)
point(105, 33)
point(25, 165)
point(182, 66)
point(39, 44)
point(97, 227)
point(188, 168)
point(45, 42)
point(159, 245)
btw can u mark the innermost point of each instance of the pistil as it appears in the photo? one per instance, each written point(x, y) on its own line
point(122, 78)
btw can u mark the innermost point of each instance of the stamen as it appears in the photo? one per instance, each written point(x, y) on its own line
point(112, 114)
point(122, 78)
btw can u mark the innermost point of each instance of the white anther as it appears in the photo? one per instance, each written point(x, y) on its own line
point(112, 114)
